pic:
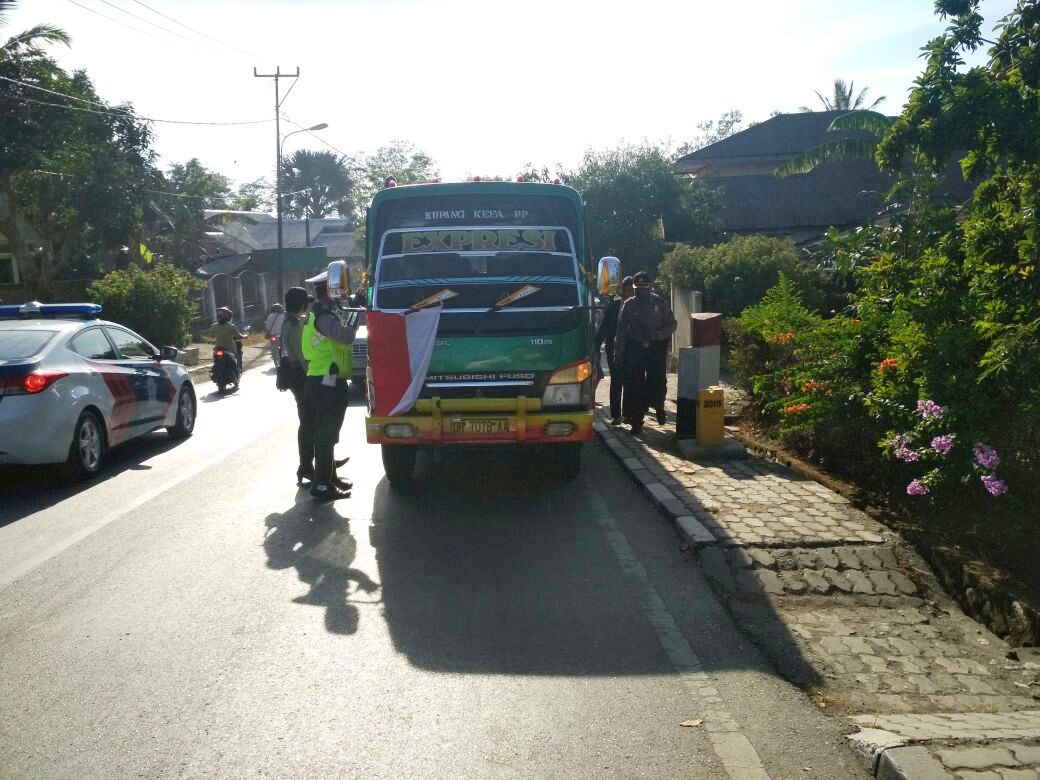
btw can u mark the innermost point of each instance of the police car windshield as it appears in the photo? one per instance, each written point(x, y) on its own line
point(20, 343)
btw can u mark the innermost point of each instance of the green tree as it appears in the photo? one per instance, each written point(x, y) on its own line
point(402, 160)
point(189, 189)
point(845, 98)
point(634, 201)
point(736, 274)
point(159, 303)
point(838, 149)
point(316, 184)
point(712, 131)
point(256, 195)
point(970, 300)
point(31, 39)
point(71, 182)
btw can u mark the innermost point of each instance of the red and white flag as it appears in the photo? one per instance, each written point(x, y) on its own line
point(399, 351)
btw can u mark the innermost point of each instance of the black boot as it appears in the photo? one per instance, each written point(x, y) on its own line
point(323, 491)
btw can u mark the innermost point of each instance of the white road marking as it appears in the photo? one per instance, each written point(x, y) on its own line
point(735, 751)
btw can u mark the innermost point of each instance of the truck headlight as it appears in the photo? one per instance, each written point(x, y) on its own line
point(569, 385)
point(562, 395)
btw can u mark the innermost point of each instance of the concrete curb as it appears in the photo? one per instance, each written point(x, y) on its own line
point(888, 755)
point(690, 529)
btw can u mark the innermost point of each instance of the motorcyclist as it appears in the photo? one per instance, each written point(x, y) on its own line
point(273, 330)
point(226, 335)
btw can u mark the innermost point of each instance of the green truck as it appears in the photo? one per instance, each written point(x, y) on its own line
point(509, 263)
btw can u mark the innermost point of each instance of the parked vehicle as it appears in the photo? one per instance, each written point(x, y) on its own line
point(511, 366)
point(73, 385)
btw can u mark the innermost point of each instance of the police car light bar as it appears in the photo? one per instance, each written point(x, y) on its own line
point(35, 309)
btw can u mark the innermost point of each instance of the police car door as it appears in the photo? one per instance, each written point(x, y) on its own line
point(110, 382)
point(153, 391)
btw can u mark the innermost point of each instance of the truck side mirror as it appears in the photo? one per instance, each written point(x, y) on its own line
point(609, 276)
point(339, 280)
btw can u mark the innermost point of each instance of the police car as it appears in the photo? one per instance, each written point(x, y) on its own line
point(73, 385)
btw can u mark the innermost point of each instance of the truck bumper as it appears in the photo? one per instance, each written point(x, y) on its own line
point(480, 421)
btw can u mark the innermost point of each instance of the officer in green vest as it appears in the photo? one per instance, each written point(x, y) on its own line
point(327, 336)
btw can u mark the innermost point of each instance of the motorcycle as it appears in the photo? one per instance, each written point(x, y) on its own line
point(275, 345)
point(226, 371)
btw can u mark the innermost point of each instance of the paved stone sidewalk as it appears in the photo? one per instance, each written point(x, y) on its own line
point(847, 610)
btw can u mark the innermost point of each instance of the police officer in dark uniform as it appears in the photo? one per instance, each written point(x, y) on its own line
point(605, 334)
point(327, 336)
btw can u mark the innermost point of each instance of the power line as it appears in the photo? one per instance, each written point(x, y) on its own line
point(164, 29)
point(135, 29)
point(318, 137)
point(131, 115)
point(197, 32)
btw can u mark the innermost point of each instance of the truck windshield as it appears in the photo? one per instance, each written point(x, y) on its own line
point(471, 280)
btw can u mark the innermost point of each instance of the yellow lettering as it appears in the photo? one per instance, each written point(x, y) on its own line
point(508, 239)
point(484, 240)
point(459, 240)
point(533, 240)
point(437, 241)
point(411, 242)
point(550, 240)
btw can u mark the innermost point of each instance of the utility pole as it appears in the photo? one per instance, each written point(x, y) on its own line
point(277, 75)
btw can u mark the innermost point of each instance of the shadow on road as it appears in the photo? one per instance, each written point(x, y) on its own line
point(30, 489)
point(316, 540)
point(490, 565)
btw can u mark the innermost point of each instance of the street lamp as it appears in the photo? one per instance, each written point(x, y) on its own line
point(278, 197)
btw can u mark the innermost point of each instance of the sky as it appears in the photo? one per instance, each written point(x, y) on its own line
point(483, 86)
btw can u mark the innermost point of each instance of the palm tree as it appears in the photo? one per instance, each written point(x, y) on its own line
point(31, 38)
point(316, 184)
point(846, 99)
point(842, 148)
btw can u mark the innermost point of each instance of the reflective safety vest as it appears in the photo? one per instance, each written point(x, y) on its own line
point(321, 351)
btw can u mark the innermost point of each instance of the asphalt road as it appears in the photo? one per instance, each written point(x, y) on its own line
point(192, 614)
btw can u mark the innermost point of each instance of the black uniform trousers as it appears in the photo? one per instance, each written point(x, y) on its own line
point(327, 406)
point(305, 431)
point(616, 383)
point(645, 378)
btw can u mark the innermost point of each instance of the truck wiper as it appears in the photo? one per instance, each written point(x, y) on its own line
point(434, 299)
point(513, 297)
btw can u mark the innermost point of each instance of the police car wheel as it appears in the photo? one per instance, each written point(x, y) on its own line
point(87, 452)
point(186, 411)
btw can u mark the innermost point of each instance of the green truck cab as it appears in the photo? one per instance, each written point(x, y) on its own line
point(511, 365)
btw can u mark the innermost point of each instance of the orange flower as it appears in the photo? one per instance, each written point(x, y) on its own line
point(796, 408)
point(782, 338)
point(886, 364)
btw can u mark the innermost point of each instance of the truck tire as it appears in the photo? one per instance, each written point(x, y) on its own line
point(567, 459)
point(399, 464)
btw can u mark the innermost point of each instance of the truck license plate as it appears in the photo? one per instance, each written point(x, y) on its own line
point(480, 425)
